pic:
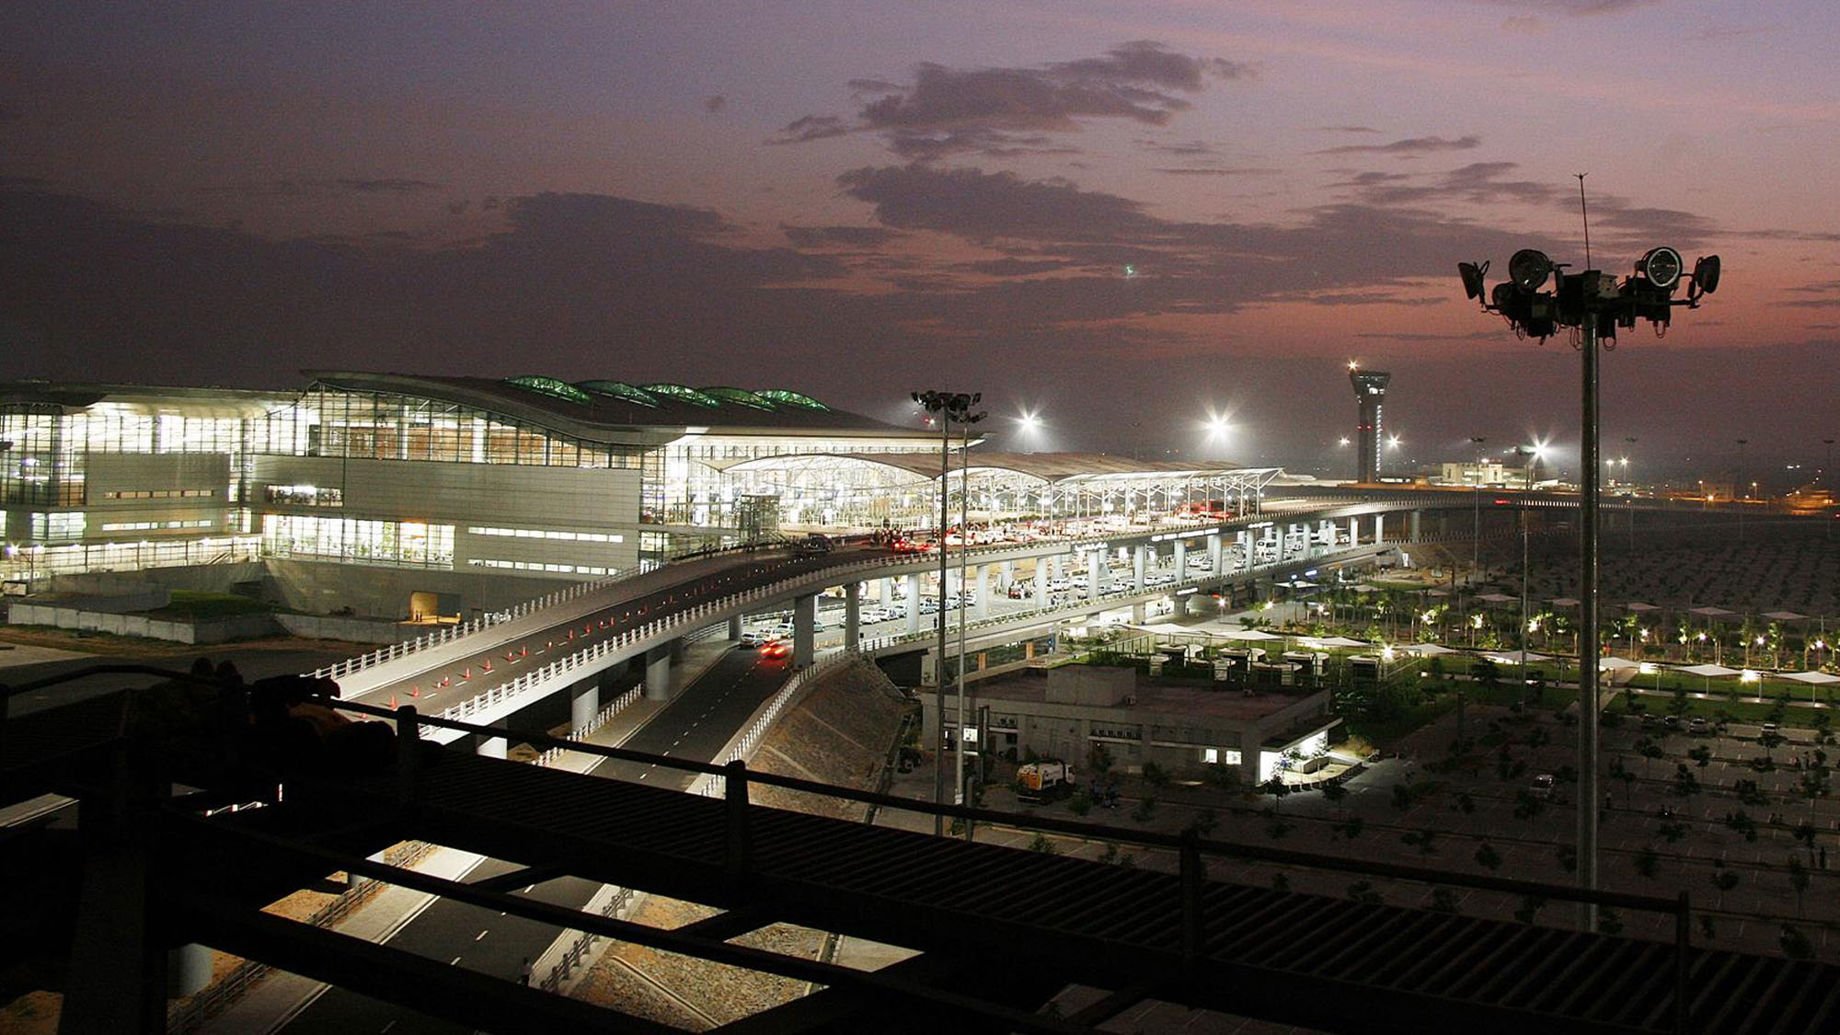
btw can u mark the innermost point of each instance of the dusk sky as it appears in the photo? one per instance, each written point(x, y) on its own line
point(1124, 216)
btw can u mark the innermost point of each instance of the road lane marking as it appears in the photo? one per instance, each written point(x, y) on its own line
point(481, 934)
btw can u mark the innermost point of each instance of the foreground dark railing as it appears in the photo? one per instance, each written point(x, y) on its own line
point(1189, 847)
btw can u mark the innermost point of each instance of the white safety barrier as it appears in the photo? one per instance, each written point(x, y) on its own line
point(620, 704)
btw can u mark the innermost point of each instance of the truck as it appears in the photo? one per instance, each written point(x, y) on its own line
point(1044, 781)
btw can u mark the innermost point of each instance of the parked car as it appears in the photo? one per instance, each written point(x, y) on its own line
point(1698, 726)
point(1542, 786)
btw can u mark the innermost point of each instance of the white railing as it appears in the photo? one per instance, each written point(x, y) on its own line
point(626, 700)
point(450, 633)
point(742, 745)
point(574, 950)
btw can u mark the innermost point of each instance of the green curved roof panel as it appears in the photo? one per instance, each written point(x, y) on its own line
point(550, 386)
point(689, 395)
point(619, 390)
point(781, 395)
point(739, 396)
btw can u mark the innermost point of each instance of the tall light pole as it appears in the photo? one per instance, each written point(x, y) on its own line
point(1596, 304)
point(1827, 467)
point(1475, 544)
point(1737, 484)
point(965, 420)
point(946, 407)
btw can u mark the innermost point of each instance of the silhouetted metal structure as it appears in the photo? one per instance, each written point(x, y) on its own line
point(999, 930)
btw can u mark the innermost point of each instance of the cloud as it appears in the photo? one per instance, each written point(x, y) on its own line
point(388, 186)
point(835, 236)
point(1006, 111)
point(1409, 146)
point(977, 205)
point(1206, 171)
point(1193, 149)
point(714, 104)
point(1348, 129)
point(1577, 8)
point(811, 127)
point(289, 188)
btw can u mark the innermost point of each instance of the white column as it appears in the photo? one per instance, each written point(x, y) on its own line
point(983, 590)
point(913, 603)
point(584, 702)
point(1181, 559)
point(1216, 555)
point(658, 674)
point(1140, 556)
point(1041, 582)
point(1095, 563)
point(1379, 529)
point(804, 620)
point(852, 615)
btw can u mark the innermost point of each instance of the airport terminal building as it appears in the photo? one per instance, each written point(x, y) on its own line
point(456, 493)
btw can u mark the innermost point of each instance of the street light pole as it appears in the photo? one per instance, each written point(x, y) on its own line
point(965, 420)
point(947, 406)
point(1597, 304)
point(1475, 546)
point(1738, 483)
point(1587, 618)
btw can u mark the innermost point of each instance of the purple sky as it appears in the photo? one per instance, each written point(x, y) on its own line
point(1125, 217)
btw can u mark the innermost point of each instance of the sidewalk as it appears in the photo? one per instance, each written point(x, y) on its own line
point(278, 997)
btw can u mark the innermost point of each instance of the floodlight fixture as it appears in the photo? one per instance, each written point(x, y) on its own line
point(1705, 276)
point(1662, 267)
point(1528, 268)
point(1472, 274)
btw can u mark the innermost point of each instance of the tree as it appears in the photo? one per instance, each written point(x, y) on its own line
point(1723, 879)
point(1685, 783)
point(1805, 832)
point(1279, 882)
point(1622, 774)
point(1444, 900)
point(1798, 880)
point(1701, 756)
point(1363, 891)
point(1529, 908)
point(1794, 944)
point(1421, 839)
point(1146, 808)
point(1609, 923)
point(1349, 828)
point(1646, 861)
point(1042, 844)
point(1488, 858)
point(1771, 740)
point(1649, 750)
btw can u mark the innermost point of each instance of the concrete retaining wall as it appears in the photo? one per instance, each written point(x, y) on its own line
point(221, 630)
point(352, 630)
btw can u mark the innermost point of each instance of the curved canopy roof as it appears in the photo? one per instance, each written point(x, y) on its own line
point(1052, 468)
point(618, 411)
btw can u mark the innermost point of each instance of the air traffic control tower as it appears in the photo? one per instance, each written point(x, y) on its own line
point(1369, 393)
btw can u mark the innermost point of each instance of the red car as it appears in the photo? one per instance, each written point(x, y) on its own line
point(775, 649)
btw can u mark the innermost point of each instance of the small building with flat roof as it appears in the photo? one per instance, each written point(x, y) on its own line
point(1062, 712)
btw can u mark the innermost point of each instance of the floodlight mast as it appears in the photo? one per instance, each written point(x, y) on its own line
point(1596, 304)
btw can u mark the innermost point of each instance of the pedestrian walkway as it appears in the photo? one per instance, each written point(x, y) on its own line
point(275, 1000)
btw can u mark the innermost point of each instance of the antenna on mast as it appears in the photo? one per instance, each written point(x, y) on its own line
point(1585, 214)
